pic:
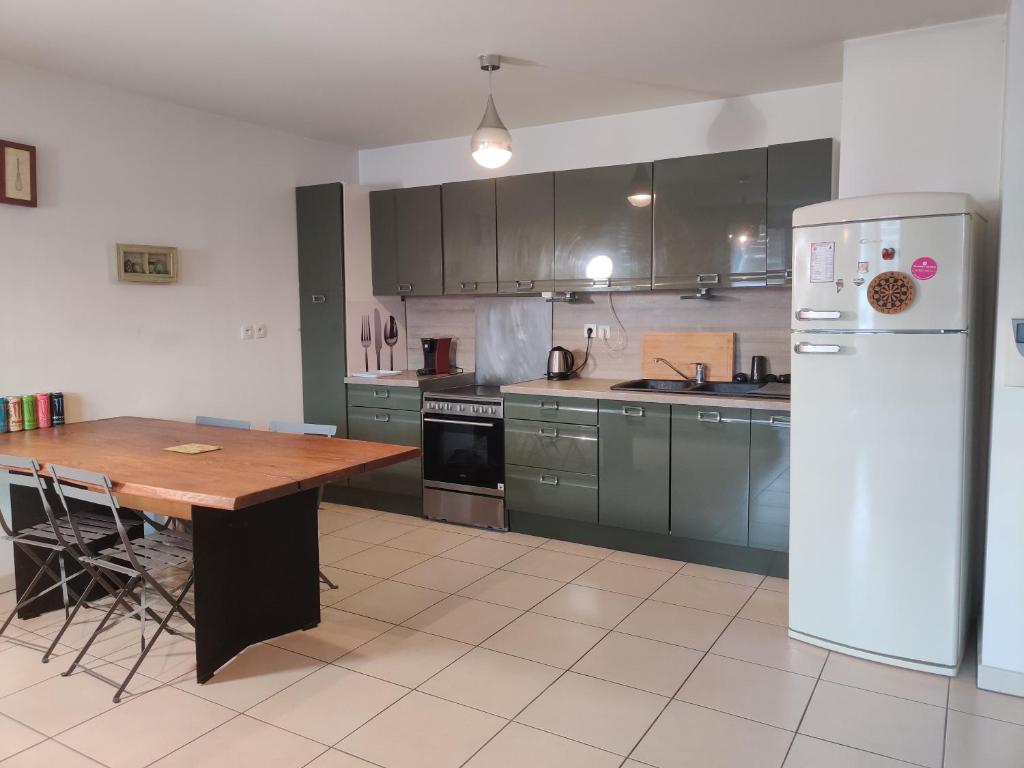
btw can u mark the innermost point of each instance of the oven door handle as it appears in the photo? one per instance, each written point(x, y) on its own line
point(465, 423)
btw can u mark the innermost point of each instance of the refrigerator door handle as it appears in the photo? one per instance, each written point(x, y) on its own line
point(803, 348)
point(818, 314)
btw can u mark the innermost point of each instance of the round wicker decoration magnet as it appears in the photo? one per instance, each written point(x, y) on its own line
point(891, 292)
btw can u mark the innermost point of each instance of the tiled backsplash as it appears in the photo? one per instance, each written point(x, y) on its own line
point(758, 316)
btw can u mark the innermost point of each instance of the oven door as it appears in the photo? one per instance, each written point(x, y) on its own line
point(463, 453)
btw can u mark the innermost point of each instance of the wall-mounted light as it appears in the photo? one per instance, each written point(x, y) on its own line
point(491, 143)
point(640, 192)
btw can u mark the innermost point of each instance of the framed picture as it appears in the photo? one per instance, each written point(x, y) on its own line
point(147, 263)
point(18, 174)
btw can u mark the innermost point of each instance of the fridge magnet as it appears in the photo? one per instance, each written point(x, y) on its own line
point(924, 268)
point(891, 292)
point(147, 263)
point(17, 174)
point(862, 267)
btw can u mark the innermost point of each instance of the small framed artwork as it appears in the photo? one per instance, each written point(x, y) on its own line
point(147, 263)
point(17, 173)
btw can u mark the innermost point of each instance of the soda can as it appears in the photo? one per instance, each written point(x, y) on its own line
point(43, 409)
point(15, 423)
point(57, 408)
point(3, 414)
point(28, 411)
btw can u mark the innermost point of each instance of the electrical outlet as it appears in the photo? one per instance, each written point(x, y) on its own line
point(589, 329)
point(246, 332)
point(603, 332)
point(260, 330)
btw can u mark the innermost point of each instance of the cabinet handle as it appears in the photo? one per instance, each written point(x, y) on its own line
point(548, 432)
point(382, 417)
point(524, 285)
point(605, 283)
point(778, 421)
point(549, 480)
point(382, 393)
point(712, 417)
point(632, 410)
point(549, 405)
point(708, 278)
point(803, 348)
point(468, 287)
point(818, 314)
point(405, 287)
point(485, 424)
point(319, 298)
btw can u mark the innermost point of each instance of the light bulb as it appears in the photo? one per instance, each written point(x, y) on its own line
point(491, 143)
point(640, 199)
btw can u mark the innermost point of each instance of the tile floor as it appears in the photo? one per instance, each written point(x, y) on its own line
point(448, 647)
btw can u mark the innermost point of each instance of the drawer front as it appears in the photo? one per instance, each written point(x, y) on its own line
point(563, 410)
point(546, 492)
point(380, 425)
point(392, 398)
point(565, 447)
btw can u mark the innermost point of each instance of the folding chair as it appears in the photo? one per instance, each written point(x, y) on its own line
point(214, 421)
point(299, 428)
point(140, 560)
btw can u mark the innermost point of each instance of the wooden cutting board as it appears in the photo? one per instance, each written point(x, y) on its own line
point(715, 350)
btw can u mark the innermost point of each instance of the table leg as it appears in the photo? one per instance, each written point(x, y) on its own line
point(256, 575)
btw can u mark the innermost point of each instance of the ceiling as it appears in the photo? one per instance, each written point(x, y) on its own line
point(370, 73)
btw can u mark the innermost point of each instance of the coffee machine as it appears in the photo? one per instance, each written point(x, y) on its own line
point(436, 356)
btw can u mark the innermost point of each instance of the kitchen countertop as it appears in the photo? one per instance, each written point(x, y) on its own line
point(600, 389)
point(411, 379)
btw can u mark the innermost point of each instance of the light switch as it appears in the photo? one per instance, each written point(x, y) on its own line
point(247, 332)
point(260, 330)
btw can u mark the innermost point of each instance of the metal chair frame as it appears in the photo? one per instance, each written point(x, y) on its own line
point(144, 558)
point(216, 421)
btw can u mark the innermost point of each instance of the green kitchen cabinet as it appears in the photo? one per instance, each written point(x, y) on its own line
point(321, 251)
point(769, 480)
point(526, 232)
point(602, 241)
point(634, 465)
point(380, 396)
point(397, 427)
point(551, 492)
point(710, 223)
point(384, 242)
point(799, 174)
point(710, 473)
point(470, 237)
point(565, 447)
point(406, 241)
point(564, 410)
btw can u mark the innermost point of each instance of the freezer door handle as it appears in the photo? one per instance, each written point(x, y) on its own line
point(818, 314)
point(803, 348)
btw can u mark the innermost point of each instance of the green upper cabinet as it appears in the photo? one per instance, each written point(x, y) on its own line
point(634, 465)
point(710, 221)
point(406, 245)
point(526, 232)
point(799, 174)
point(602, 241)
point(470, 237)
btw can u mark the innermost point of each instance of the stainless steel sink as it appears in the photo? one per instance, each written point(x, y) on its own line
point(724, 388)
point(734, 388)
point(656, 385)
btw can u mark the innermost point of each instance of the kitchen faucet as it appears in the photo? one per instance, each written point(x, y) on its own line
point(698, 378)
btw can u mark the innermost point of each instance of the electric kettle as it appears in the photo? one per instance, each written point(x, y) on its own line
point(560, 363)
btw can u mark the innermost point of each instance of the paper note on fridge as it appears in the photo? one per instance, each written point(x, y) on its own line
point(823, 262)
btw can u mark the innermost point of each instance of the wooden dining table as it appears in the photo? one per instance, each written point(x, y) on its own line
point(252, 504)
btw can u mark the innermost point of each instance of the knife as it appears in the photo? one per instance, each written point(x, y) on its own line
point(378, 338)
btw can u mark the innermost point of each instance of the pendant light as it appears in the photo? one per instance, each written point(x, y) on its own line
point(491, 143)
point(640, 192)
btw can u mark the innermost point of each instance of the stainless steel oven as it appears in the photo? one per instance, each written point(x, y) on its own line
point(464, 457)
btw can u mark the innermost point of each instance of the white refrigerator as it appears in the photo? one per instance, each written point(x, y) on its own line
point(882, 400)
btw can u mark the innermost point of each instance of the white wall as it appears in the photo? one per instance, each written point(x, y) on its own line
point(1002, 633)
point(691, 129)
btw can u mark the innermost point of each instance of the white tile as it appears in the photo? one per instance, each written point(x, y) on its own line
point(20, 667)
point(686, 736)
point(695, 592)
point(348, 583)
point(328, 705)
point(491, 681)
point(965, 696)
point(244, 741)
point(417, 521)
point(770, 696)
point(50, 754)
point(898, 728)
point(422, 731)
point(429, 540)
point(391, 602)
point(623, 578)
point(334, 548)
point(882, 678)
point(332, 758)
point(463, 619)
point(169, 659)
point(722, 574)
point(549, 564)
point(511, 537)
point(519, 746)
point(647, 561)
point(807, 752)
point(769, 645)
point(638, 662)
point(515, 590)
point(489, 552)
point(767, 606)
point(382, 562)
point(375, 531)
point(675, 624)
point(14, 737)
point(977, 741)
point(337, 633)
point(588, 606)
point(572, 548)
point(602, 714)
point(404, 656)
point(775, 584)
point(443, 574)
point(257, 673)
point(103, 737)
point(548, 640)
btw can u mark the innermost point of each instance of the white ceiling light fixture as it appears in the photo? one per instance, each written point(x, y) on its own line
point(491, 143)
point(640, 192)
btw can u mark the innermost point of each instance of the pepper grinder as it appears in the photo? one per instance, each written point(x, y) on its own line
point(758, 369)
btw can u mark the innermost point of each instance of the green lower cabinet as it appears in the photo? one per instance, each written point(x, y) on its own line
point(564, 410)
point(379, 396)
point(769, 480)
point(634, 465)
point(550, 492)
point(396, 427)
point(565, 447)
point(710, 473)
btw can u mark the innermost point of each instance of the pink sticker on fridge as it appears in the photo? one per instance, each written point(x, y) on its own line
point(924, 268)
